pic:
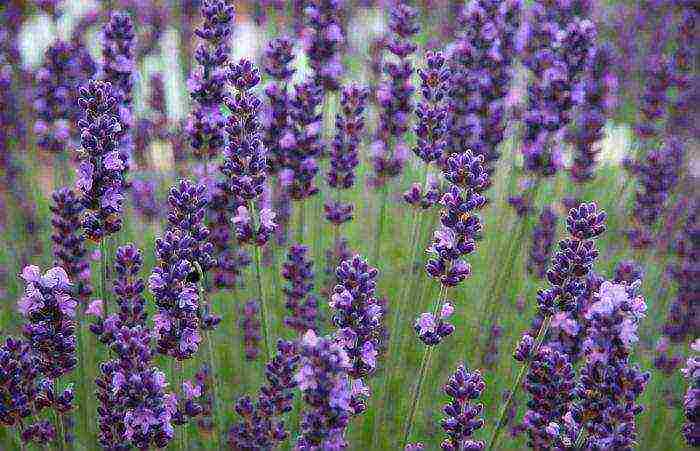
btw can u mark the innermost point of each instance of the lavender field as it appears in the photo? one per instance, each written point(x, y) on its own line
point(349, 224)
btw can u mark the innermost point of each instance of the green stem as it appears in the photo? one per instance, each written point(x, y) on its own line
point(261, 294)
point(425, 364)
point(300, 225)
point(516, 384)
point(580, 439)
point(380, 225)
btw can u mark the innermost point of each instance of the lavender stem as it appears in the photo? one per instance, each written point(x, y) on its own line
point(261, 295)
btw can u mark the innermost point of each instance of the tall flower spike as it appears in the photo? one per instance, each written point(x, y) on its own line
point(128, 289)
point(349, 124)
point(323, 380)
point(207, 84)
point(277, 64)
point(250, 325)
point(304, 143)
point(301, 303)
point(691, 403)
point(325, 39)
point(66, 66)
point(49, 311)
point(394, 97)
point(462, 416)
point(542, 239)
point(263, 425)
point(432, 111)
point(119, 67)
point(100, 181)
point(69, 243)
point(481, 67)
point(177, 299)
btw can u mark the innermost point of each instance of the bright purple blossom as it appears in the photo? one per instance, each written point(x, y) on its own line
point(462, 414)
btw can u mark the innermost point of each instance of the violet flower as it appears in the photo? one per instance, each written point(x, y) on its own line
point(344, 158)
point(250, 325)
point(324, 41)
point(176, 324)
point(691, 403)
point(323, 380)
point(462, 414)
point(542, 239)
point(100, 182)
point(207, 84)
point(433, 111)
point(118, 69)
point(263, 425)
point(69, 242)
point(394, 97)
point(49, 310)
point(300, 301)
point(66, 66)
point(231, 261)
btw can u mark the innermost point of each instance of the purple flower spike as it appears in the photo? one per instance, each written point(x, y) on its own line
point(691, 403)
point(323, 380)
point(19, 381)
point(303, 144)
point(263, 425)
point(49, 310)
point(207, 84)
point(100, 187)
point(177, 299)
point(325, 40)
point(431, 330)
point(66, 67)
point(462, 415)
point(542, 239)
point(251, 329)
point(432, 111)
point(69, 243)
point(277, 64)
point(128, 289)
point(301, 303)
point(119, 68)
point(357, 315)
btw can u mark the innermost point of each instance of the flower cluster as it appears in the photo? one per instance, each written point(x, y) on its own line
point(19, 387)
point(118, 69)
point(550, 383)
point(421, 197)
point(432, 112)
point(278, 58)
point(250, 326)
point(69, 250)
point(230, 261)
point(460, 225)
point(462, 416)
point(481, 72)
point(188, 205)
point(101, 169)
point(324, 42)
point(559, 37)
point(542, 239)
point(128, 289)
point(143, 198)
point(303, 144)
point(682, 321)
point(596, 91)
point(323, 380)
point(394, 96)
point(66, 67)
point(207, 84)
point(691, 403)
point(49, 310)
point(357, 315)
point(262, 425)
point(344, 158)
point(432, 330)
point(658, 174)
point(177, 299)
point(301, 303)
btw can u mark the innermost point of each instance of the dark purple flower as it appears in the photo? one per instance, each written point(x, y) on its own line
point(69, 242)
point(143, 194)
point(176, 324)
point(324, 41)
point(432, 330)
point(101, 168)
point(542, 239)
point(462, 414)
point(691, 403)
point(301, 303)
point(250, 325)
point(481, 72)
point(357, 315)
point(118, 69)
point(19, 382)
point(230, 260)
point(523, 351)
point(207, 84)
point(424, 198)
point(323, 380)
point(263, 425)
point(432, 111)
point(66, 67)
point(49, 311)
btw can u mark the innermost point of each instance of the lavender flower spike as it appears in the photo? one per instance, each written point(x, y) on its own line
point(461, 419)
